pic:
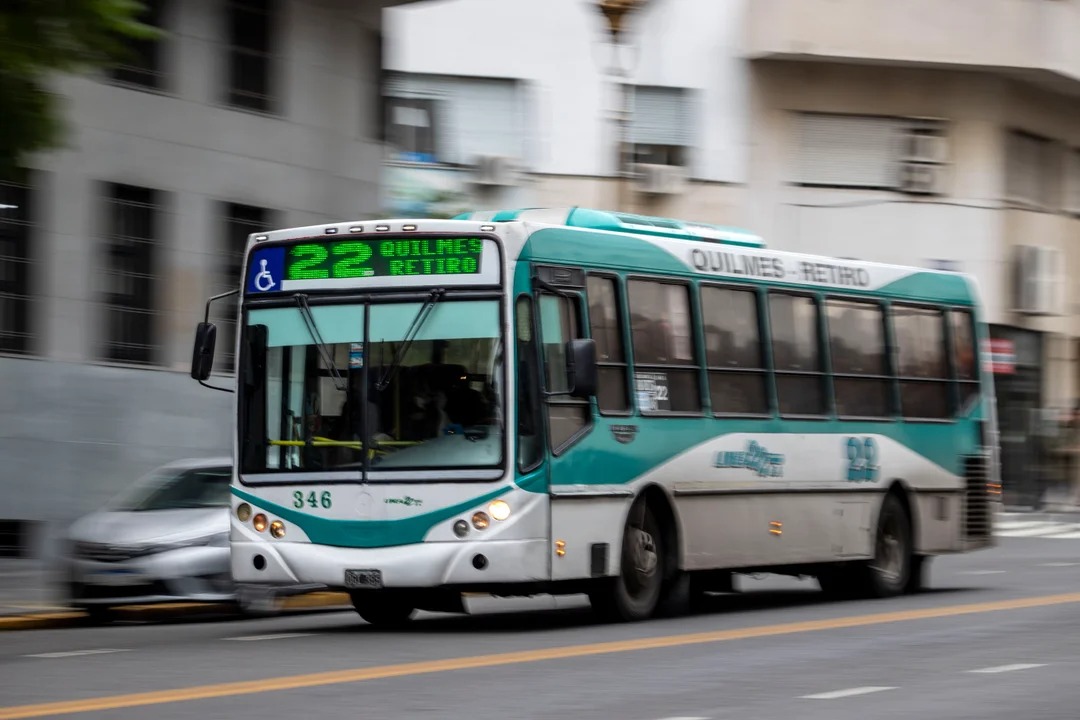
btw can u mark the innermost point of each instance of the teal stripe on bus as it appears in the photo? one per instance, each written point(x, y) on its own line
point(366, 533)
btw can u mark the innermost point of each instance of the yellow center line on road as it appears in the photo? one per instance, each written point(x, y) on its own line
point(290, 682)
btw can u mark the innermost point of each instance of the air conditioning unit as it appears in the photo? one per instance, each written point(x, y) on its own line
point(1039, 282)
point(651, 179)
point(920, 178)
point(926, 147)
point(495, 171)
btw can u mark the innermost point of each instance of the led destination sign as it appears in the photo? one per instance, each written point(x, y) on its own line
point(355, 258)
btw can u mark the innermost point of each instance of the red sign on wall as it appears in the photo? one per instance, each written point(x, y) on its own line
point(1000, 355)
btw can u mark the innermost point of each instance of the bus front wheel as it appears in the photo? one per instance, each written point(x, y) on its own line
point(383, 609)
point(635, 592)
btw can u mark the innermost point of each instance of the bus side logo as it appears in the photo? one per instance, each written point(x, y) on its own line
point(756, 458)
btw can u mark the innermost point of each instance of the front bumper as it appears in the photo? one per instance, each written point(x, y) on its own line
point(199, 574)
point(421, 565)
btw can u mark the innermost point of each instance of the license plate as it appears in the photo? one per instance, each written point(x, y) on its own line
point(363, 578)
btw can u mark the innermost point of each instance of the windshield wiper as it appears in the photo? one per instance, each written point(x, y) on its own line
point(328, 359)
point(410, 334)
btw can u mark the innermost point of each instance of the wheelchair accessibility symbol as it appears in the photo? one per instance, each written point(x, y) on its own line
point(264, 281)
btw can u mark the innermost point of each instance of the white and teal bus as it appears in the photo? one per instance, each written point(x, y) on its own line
point(577, 401)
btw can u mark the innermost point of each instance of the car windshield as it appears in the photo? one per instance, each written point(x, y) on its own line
point(434, 402)
point(177, 490)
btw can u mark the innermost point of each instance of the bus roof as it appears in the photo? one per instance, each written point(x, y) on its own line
point(588, 219)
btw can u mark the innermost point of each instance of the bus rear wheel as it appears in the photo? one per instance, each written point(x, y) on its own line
point(635, 592)
point(383, 609)
point(890, 572)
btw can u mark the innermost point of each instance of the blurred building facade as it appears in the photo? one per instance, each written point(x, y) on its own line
point(928, 133)
point(246, 114)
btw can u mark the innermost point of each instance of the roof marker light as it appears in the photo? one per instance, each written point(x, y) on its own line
point(487, 228)
point(356, 229)
point(260, 238)
point(408, 227)
point(331, 231)
point(382, 228)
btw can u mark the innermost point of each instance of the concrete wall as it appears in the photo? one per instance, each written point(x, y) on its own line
point(72, 430)
point(998, 34)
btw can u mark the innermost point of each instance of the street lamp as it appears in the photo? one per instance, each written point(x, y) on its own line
point(617, 13)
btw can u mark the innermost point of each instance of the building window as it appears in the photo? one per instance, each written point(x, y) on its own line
point(796, 347)
point(921, 360)
point(666, 374)
point(16, 230)
point(240, 221)
point(131, 262)
point(143, 65)
point(737, 373)
point(861, 374)
point(1033, 170)
point(411, 129)
point(868, 152)
point(251, 28)
point(661, 127)
point(605, 325)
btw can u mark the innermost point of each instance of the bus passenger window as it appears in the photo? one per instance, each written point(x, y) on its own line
point(857, 342)
point(666, 370)
point(796, 349)
point(922, 367)
point(605, 327)
point(733, 354)
point(964, 357)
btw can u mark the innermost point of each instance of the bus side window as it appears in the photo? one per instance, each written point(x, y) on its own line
point(922, 365)
point(605, 327)
point(666, 374)
point(964, 357)
point(796, 346)
point(862, 379)
point(737, 374)
point(559, 324)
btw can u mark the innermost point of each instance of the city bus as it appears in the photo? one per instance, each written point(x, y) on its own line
point(575, 401)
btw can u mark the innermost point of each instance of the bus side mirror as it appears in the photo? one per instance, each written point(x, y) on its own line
point(581, 367)
point(202, 357)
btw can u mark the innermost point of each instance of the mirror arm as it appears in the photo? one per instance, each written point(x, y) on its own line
point(206, 316)
point(215, 387)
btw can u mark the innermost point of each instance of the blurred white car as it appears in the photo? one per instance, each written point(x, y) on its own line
point(165, 539)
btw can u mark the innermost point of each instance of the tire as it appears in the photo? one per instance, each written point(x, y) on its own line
point(894, 570)
point(917, 580)
point(98, 614)
point(384, 610)
point(636, 592)
point(890, 572)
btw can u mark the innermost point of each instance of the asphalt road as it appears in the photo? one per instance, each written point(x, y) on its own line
point(995, 637)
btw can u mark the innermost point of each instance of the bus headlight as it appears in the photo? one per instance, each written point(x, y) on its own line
point(480, 520)
point(499, 510)
point(461, 528)
point(259, 522)
point(277, 529)
point(243, 512)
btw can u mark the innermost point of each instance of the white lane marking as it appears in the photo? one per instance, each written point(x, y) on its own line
point(278, 636)
point(685, 718)
point(982, 572)
point(76, 653)
point(850, 692)
point(1068, 536)
point(1020, 525)
point(1058, 564)
point(1009, 668)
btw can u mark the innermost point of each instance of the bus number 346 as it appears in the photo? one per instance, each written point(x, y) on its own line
point(862, 458)
point(323, 499)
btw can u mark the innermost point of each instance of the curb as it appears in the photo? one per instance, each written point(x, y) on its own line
point(75, 618)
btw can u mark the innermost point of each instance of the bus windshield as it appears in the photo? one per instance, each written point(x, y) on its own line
point(439, 406)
